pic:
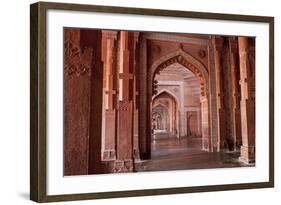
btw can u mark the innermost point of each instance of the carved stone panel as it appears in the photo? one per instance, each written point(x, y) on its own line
point(76, 104)
point(124, 141)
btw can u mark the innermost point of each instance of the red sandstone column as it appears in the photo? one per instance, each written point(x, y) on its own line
point(218, 44)
point(236, 113)
point(77, 80)
point(93, 38)
point(199, 122)
point(212, 99)
point(109, 58)
point(124, 162)
point(206, 142)
point(136, 97)
point(247, 153)
point(144, 140)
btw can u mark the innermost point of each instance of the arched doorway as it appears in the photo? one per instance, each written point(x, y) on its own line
point(165, 100)
point(197, 69)
point(160, 119)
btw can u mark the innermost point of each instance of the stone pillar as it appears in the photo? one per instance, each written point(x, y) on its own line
point(247, 152)
point(198, 112)
point(213, 99)
point(93, 38)
point(136, 97)
point(144, 142)
point(109, 93)
point(149, 93)
point(124, 162)
point(77, 81)
point(206, 142)
point(235, 93)
point(218, 45)
point(182, 114)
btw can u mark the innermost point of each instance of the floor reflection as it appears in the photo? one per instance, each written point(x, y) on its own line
point(171, 153)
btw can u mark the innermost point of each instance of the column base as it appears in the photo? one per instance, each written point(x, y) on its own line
point(247, 154)
point(206, 144)
point(118, 166)
point(136, 154)
point(109, 155)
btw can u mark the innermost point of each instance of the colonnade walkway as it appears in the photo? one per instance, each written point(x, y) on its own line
point(170, 153)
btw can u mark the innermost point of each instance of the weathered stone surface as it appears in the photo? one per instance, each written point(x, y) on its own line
point(247, 83)
point(76, 103)
point(124, 91)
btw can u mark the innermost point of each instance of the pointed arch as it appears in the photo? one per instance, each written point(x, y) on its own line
point(186, 60)
point(163, 112)
point(158, 104)
point(173, 112)
point(172, 95)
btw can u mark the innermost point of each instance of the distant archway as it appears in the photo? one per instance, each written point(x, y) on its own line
point(198, 69)
point(168, 100)
point(160, 118)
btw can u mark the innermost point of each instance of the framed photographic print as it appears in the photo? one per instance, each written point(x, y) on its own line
point(134, 102)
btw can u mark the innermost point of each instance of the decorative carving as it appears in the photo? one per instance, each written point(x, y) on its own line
point(128, 165)
point(123, 166)
point(109, 155)
point(176, 90)
point(180, 59)
point(154, 87)
point(202, 53)
point(118, 166)
point(76, 60)
point(124, 106)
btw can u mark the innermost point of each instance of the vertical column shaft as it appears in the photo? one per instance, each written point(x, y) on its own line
point(109, 93)
point(136, 97)
point(124, 161)
point(95, 139)
point(206, 141)
point(144, 142)
point(235, 92)
point(213, 100)
point(247, 153)
point(218, 44)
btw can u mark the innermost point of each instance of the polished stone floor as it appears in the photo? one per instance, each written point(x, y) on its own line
point(171, 153)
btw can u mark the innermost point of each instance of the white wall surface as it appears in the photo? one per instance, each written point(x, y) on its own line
point(14, 101)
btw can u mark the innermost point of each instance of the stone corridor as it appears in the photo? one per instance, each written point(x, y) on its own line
point(148, 101)
point(171, 153)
